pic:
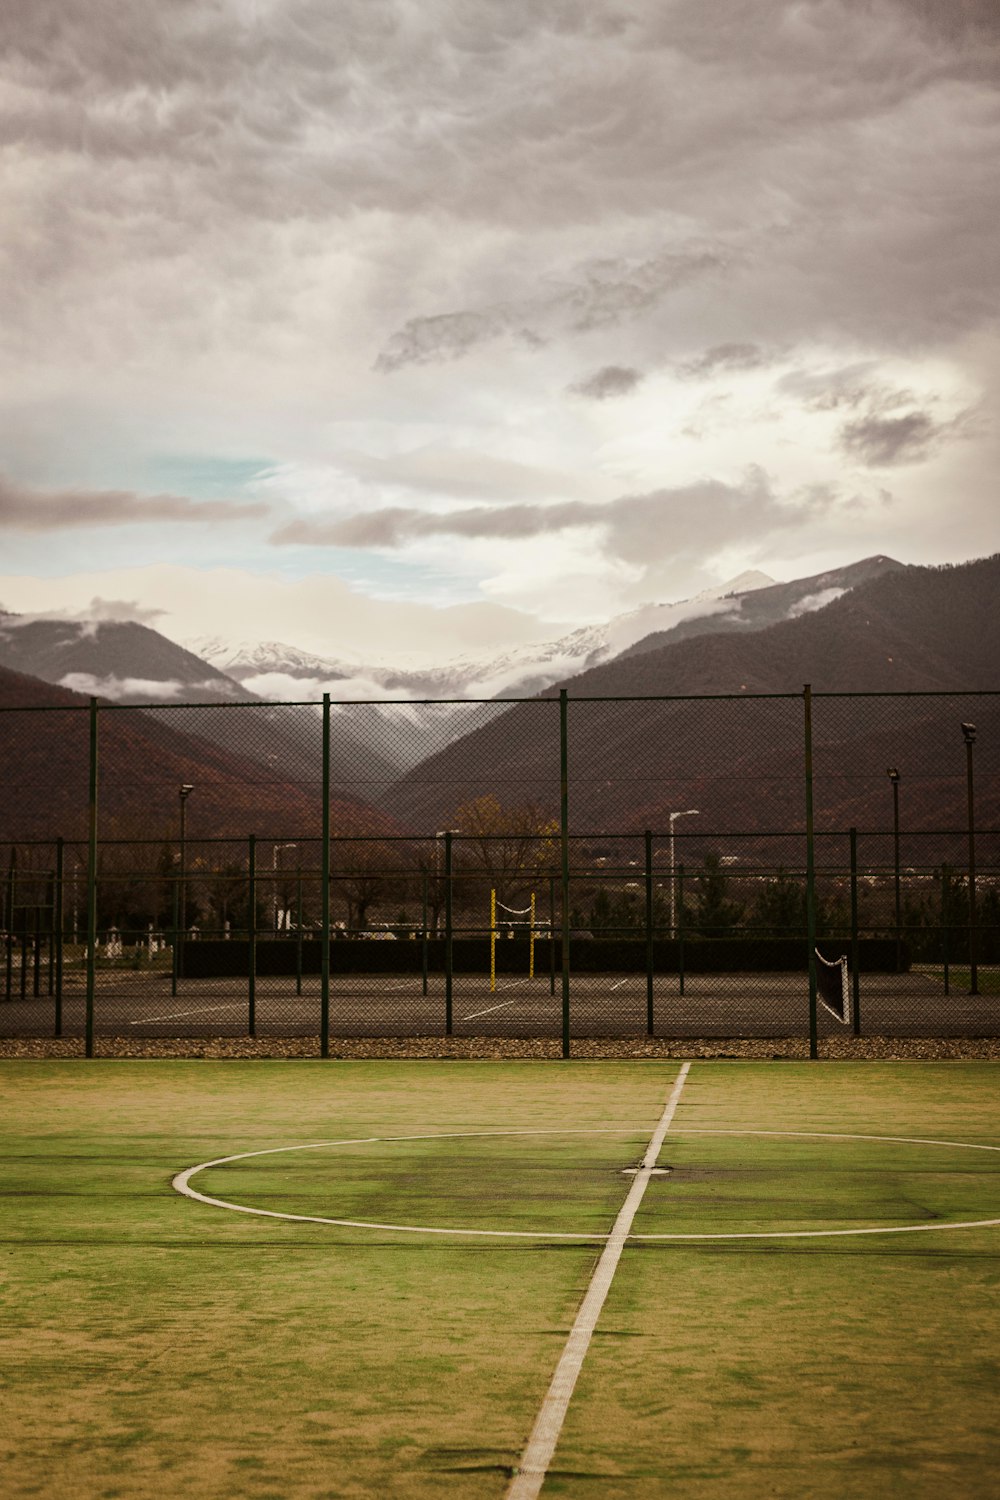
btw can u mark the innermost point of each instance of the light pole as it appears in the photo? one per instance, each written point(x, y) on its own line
point(893, 775)
point(184, 793)
point(274, 881)
point(689, 812)
point(442, 833)
point(969, 734)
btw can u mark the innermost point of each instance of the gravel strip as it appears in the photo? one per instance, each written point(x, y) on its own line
point(853, 1049)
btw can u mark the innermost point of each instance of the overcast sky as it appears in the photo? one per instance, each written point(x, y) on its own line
point(405, 326)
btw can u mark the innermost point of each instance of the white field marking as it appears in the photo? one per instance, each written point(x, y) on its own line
point(618, 984)
point(489, 1010)
point(174, 1015)
point(535, 1460)
point(181, 1182)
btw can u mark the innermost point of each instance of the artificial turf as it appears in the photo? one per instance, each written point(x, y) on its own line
point(153, 1345)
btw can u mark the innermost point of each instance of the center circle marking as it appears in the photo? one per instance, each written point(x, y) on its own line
point(182, 1184)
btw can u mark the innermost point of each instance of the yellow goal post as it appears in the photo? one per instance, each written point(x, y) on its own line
point(513, 911)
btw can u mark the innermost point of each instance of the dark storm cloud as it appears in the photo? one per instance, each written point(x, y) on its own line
point(612, 380)
point(637, 528)
point(881, 442)
point(25, 509)
point(965, 21)
point(171, 133)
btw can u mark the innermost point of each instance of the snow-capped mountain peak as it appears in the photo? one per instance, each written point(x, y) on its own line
point(273, 669)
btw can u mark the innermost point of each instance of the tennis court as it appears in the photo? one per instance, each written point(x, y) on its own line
point(355, 1279)
point(145, 1003)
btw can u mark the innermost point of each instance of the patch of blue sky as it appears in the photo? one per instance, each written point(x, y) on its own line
point(204, 476)
point(378, 575)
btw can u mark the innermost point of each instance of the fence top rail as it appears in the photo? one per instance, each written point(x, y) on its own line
point(402, 703)
point(636, 835)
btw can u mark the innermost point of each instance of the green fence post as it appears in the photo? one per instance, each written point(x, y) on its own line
point(50, 934)
point(9, 921)
point(91, 886)
point(680, 929)
point(552, 934)
point(945, 946)
point(810, 870)
point(298, 930)
point(423, 932)
point(174, 898)
point(324, 983)
point(564, 849)
point(448, 970)
point(855, 947)
point(58, 919)
point(36, 977)
point(649, 932)
point(969, 733)
point(252, 936)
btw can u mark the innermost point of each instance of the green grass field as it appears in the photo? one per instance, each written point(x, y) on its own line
point(153, 1345)
point(987, 977)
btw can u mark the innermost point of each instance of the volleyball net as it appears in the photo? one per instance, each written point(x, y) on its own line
point(512, 921)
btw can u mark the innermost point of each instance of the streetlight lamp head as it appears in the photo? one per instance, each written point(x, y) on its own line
point(969, 731)
point(893, 773)
point(186, 789)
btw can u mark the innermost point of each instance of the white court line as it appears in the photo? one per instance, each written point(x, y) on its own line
point(174, 1015)
point(537, 1456)
point(619, 984)
point(502, 1006)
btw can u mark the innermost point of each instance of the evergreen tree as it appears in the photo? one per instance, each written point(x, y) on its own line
point(713, 914)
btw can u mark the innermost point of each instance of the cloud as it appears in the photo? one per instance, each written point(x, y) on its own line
point(598, 294)
point(894, 425)
point(123, 609)
point(464, 473)
point(219, 217)
point(880, 442)
point(23, 508)
point(811, 602)
point(123, 687)
point(282, 687)
point(611, 380)
point(89, 619)
point(880, 439)
point(724, 357)
point(635, 527)
point(830, 389)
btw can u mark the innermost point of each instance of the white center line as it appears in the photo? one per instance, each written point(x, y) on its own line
point(537, 1456)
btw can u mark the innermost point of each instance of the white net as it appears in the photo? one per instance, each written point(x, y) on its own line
point(833, 990)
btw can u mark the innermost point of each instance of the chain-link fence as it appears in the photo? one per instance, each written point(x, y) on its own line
point(557, 866)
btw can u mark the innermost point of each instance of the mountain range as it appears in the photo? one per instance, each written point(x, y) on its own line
point(127, 662)
point(751, 601)
point(712, 745)
point(876, 627)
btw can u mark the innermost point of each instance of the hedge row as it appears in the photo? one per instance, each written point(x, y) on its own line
point(210, 959)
